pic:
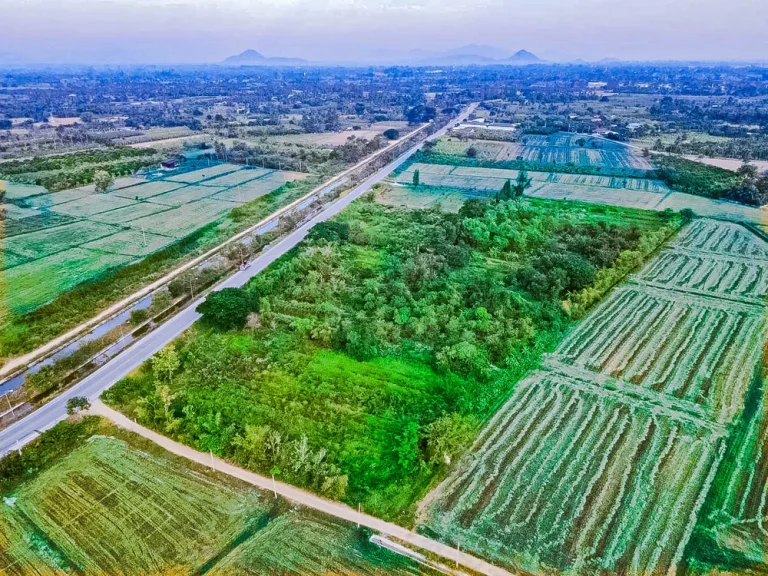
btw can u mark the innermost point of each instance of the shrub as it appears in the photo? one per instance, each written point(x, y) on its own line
point(139, 316)
point(229, 308)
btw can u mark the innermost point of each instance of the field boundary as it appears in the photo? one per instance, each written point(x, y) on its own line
point(13, 366)
point(307, 499)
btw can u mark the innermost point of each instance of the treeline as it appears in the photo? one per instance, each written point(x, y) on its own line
point(746, 148)
point(746, 185)
point(71, 170)
point(363, 362)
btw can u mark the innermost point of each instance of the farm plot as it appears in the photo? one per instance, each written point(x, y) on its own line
point(185, 195)
point(131, 243)
point(148, 190)
point(198, 176)
point(90, 205)
point(111, 510)
point(686, 347)
point(182, 221)
point(557, 149)
point(628, 192)
point(723, 238)
point(570, 476)
point(16, 223)
point(42, 243)
point(603, 458)
point(14, 191)
point(239, 177)
point(107, 508)
point(54, 198)
point(32, 284)
point(257, 188)
point(129, 213)
point(300, 544)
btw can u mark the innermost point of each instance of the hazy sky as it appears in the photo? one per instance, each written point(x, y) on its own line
point(191, 31)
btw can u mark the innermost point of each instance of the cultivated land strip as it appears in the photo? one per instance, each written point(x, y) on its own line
point(602, 459)
point(302, 497)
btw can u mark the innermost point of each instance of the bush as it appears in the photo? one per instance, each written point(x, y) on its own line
point(391, 134)
point(139, 316)
point(228, 309)
point(102, 180)
point(331, 231)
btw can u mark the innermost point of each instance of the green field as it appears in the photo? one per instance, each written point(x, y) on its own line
point(56, 241)
point(109, 508)
point(387, 337)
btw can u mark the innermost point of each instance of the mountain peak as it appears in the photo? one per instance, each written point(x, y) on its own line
point(525, 57)
point(253, 58)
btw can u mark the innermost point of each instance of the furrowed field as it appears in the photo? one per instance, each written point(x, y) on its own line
point(109, 508)
point(603, 459)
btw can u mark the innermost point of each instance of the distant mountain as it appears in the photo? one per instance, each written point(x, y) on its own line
point(480, 50)
point(253, 58)
point(523, 57)
point(478, 55)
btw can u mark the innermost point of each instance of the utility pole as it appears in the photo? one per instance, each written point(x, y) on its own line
point(274, 485)
point(212, 466)
point(9, 406)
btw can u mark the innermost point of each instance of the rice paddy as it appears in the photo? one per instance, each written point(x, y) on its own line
point(54, 241)
point(603, 458)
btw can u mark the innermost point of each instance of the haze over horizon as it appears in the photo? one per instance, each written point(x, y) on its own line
point(195, 31)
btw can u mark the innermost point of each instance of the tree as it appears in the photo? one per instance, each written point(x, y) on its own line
point(505, 193)
point(415, 177)
point(229, 308)
point(391, 134)
point(166, 362)
point(76, 404)
point(687, 215)
point(472, 152)
point(330, 231)
point(522, 183)
point(448, 436)
point(102, 180)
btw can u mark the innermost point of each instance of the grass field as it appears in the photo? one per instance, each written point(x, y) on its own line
point(109, 508)
point(53, 242)
point(603, 458)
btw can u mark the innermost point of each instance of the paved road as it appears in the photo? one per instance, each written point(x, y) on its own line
point(302, 497)
point(92, 386)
